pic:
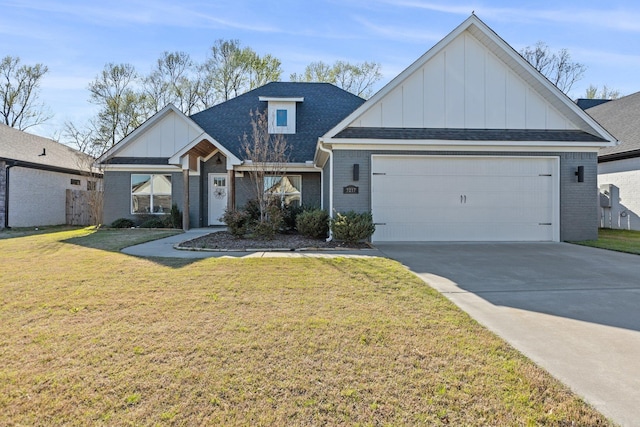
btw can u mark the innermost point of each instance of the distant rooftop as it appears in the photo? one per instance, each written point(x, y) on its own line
point(586, 103)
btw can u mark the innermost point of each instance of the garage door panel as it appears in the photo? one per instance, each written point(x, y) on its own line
point(463, 198)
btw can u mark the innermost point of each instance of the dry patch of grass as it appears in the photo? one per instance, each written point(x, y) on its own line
point(95, 337)
point(616, 240)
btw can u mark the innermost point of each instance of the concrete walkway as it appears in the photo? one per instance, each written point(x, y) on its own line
point(573, 310)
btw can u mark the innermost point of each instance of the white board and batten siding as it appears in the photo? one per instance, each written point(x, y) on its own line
point(465, 198)
point(164, 139)
point(465, 85)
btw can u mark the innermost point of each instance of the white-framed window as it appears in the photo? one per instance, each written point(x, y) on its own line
point(281, 118)
point(150, 193)
point(287, 187)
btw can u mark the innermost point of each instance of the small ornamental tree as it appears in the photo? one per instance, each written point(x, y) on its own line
point(266, 155)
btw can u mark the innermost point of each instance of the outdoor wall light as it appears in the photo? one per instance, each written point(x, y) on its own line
point(580, 173)
point(218, 159)
point(356, 172)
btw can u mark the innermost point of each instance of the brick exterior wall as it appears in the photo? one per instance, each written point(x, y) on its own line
point(311, 190)
point(3, 185)
point(117, 192)
point(578, 201)
point(117, 195)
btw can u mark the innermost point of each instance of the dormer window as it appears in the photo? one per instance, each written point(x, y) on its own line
point(281, 118)
point(281, 113)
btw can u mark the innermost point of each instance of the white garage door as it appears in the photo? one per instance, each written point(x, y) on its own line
point(461, 198)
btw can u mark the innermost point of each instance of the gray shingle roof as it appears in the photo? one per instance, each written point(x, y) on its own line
point(468, 134)
point(26, 147)
point(324, 106)
point(621, 117)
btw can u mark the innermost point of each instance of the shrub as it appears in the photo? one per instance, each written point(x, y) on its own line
point(271, 225)
point(289, 217)
point(252, 209)
point(175, 217)
point(237, 221)
point(313, 223)
point(154, 222)
point(351, 227)
point(122, 223)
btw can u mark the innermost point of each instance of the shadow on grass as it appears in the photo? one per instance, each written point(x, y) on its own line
point(114, 240)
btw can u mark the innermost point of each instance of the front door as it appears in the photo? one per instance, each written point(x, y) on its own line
point(217, 197)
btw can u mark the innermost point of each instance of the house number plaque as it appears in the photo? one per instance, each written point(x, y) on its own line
point(350, 189)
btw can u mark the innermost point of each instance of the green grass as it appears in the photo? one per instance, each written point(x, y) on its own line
point(616, 240)
point(94, 337)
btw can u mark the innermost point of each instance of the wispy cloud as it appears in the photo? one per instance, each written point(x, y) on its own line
point(616, 19)
point(399, 33)
point(141, 12)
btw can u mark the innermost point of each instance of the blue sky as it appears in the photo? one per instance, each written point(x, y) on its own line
point(76, 38)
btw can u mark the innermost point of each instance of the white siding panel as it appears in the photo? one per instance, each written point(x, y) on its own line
point(163, 139)
point(392, 108)
point(413, 105)
point(434, 92)
point(441, 198)
point(474, 83)
point(495, 102)
point(536, 116)
point(555, 120)
point(372, 118)
point(464, 86)
point(455, 84)
point(515, 102)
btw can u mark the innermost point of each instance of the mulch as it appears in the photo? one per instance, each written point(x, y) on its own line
point(223, 240)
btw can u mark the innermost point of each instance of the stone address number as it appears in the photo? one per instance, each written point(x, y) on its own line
point(350, 189)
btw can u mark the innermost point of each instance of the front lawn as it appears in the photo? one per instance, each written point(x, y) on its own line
point(616, 240)
point(89, 336)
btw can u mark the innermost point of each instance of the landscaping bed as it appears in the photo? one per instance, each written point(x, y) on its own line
point(223, 240)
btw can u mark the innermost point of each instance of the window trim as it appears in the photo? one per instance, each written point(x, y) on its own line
point(152, 194)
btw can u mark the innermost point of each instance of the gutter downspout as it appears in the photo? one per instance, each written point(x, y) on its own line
point(6, 195)
point(330, 153)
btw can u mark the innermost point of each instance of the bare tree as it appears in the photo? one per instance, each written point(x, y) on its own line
point(121, 107)
point(267, 155)
point(557, 67)
point(19, 87)
point(174, 80)
point(358, 79)
point(232, 70)
point(593, 92)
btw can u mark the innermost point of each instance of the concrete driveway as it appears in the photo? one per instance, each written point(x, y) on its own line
point(573, 310)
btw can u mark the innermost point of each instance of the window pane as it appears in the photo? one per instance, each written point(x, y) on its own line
point(161, 204)
point(271, 183)
point(150, 193)
point(286, 187)
point(140, 203)
point(161, 184)
point(281, 117)
point(140, 184)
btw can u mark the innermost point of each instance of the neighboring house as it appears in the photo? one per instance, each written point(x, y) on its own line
point(35, 174)
point(619, 166)
point(468, 143)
